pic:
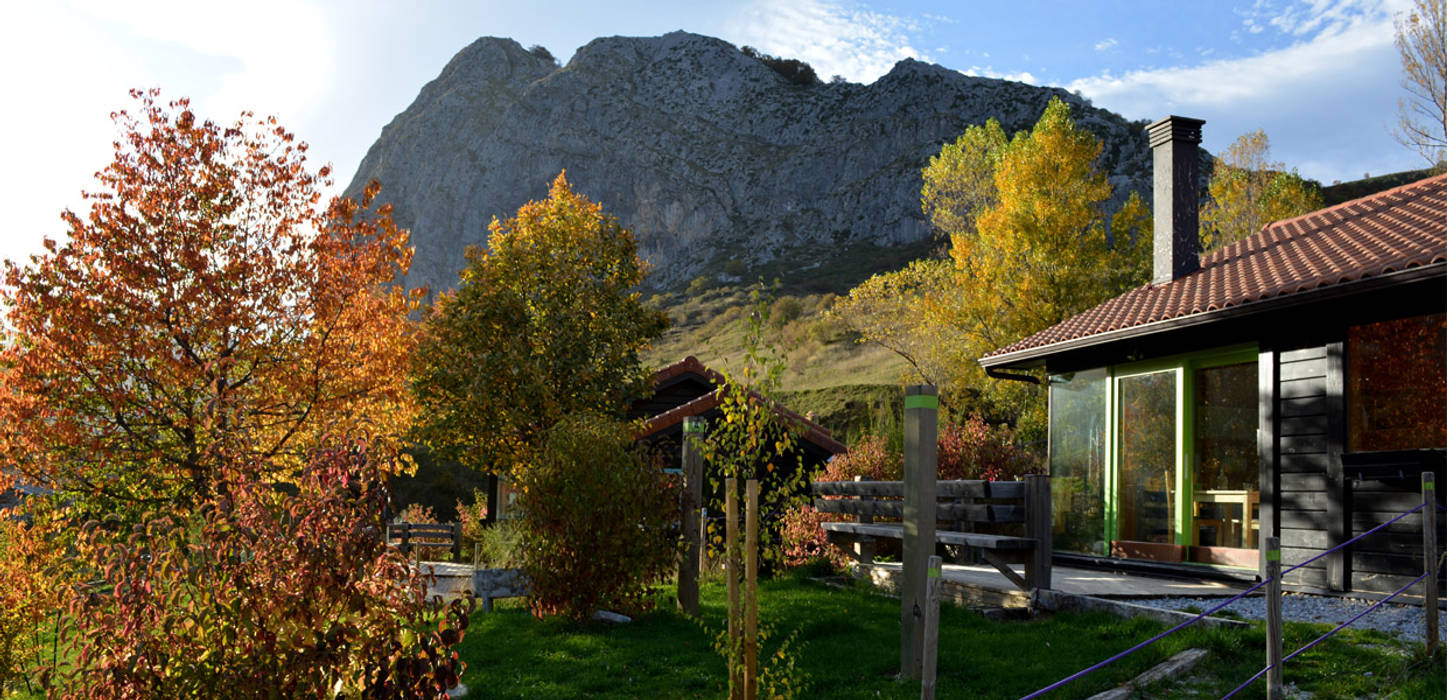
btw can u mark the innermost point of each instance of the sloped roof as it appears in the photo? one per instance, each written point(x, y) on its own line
point(811, 432)
point(1390, 231)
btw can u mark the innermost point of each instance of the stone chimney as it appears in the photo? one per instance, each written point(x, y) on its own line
point(1177, 238)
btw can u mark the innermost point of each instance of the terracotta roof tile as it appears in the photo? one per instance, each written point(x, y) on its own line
point(1386, 232)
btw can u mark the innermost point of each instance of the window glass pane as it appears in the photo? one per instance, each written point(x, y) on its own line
point(1148, 457)
point(1077, 460)
point(1225, 476)
point(1397, 384)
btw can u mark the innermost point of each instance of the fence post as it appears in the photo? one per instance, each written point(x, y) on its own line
point(1037, 527)
point(751, 591)
point(921, 435)
point(731, 545)
point(457, 542)
point(688, 566)
point(931, 631)
point(1429, 555)
point(1272, 552)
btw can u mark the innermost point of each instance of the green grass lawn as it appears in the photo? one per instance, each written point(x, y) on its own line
point(847, 646)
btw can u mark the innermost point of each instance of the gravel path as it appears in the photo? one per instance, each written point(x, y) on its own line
point(1406, 622)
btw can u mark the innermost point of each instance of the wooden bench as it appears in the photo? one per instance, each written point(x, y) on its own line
point(1025, 502)
point(436, 535)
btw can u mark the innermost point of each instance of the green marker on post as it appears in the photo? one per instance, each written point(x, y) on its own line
point(921, 401)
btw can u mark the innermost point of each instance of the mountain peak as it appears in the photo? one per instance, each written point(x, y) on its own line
point(707, 154)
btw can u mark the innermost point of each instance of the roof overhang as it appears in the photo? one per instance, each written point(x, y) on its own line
point(1030, 358)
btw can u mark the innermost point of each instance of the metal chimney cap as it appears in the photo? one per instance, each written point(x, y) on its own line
point(1174, 128)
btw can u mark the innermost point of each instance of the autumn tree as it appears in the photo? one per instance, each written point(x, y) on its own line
point(1422, 115)
point(205, 310)
point(1031, 244)
point(1248, 191)
point(545, 322)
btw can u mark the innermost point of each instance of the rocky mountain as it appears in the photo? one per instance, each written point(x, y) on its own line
point(711, 158)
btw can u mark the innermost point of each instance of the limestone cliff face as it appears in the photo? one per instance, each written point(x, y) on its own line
point(706, 154)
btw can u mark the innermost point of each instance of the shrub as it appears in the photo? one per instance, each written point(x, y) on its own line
point(542, 52)
point(785, 310)
point(870, 459)
point(793, 70)
point(804, 542)
point(599, 520)
point(263, 592)
point(701, 284)
point(976, 450)
point(499, 545)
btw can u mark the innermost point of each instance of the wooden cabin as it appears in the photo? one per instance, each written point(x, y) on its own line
point(688, 389)
point(1291, 384)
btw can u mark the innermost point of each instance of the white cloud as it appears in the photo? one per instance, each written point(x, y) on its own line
point(1106, 44)
point(282, 50)
point(836, 38)
point(990, 72)
point(1326, 101)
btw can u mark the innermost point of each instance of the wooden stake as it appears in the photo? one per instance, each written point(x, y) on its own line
point(931, 630)
point(1429, 556)
point(1272, 552)
point(688, 564)
point(921, 449)
point(751, 593)
point(731, 544)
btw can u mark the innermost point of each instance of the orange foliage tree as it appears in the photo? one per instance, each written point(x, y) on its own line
point(206, 309)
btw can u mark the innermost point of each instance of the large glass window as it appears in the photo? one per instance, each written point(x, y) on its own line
point(1225, 473)
point(1397, 384)
point(1158, 459)
point(1147, 459)
point(1078, 417)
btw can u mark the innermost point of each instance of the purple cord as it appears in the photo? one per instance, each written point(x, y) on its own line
point(1350, 541)
point(1229, 601)
point(1318, 640)
point(1147, 642)
point(1249, 681)
point(1359, 616)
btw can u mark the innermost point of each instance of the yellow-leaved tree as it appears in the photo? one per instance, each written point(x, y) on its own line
point(547, 321)
point(1249, 191)
point(1031, 243)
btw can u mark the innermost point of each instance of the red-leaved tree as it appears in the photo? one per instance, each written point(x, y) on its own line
point(206, 309)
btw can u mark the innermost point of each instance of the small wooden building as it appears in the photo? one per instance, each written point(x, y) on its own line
point(688, 389)
point(1291, 384)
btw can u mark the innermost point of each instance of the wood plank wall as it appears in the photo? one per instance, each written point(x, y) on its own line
point(1319, 504)
point(1303, 409)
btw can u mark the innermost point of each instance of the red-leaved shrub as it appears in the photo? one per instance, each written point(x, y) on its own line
point(600, 520)
point(262, 592)
point(976, 450)
point(869, 460)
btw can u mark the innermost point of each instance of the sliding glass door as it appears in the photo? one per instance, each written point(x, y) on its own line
point(1146, 463)
point(1158, 459)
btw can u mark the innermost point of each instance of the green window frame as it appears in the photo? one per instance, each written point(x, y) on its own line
point(1183, 366)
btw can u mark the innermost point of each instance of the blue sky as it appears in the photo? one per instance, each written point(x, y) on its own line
point(1320, 76)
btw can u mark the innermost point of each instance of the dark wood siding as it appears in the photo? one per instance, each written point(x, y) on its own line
point(1302, 410)
point(1388, 560)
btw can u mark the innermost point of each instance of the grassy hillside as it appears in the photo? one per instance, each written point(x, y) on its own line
point(818, 352)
